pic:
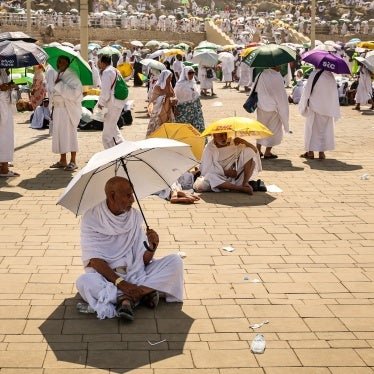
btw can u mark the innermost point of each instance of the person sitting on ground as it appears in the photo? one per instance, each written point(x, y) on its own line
point(297, 91)
point(228, 165)
point(118, 257)
point(42, 116)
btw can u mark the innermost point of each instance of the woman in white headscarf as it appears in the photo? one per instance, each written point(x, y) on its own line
point(161, 102)
point(188, 109)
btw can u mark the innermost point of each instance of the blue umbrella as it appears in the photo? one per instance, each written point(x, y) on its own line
point(19, 54)
point(117, 46)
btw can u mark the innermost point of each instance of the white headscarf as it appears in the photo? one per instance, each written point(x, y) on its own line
point(186, 89)
point(165, 74)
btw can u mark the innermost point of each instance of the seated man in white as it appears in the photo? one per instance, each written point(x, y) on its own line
point(228, 165)
point(118, 258)
point(41, 116)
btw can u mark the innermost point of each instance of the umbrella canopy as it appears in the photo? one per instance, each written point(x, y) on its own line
point(152, 43)
point(226, 56)
point(125, 69)
point(324, 47)
point(245, 52)
point(173, 52)
point(183, 132)
point(207, 45)
point(77, 63)
point(183, 46)
point(245, 125)
point(16, 35)
point(366, 45)
point(117, 46)
point(205, 57)
point(18, 54)
point(368, 62)
point(269, 55)
point(151, 165)
point(108, 50)
point(89, 101)
point(153, 64)
point(21, 76)
point(92, 46)
point(137, 43)
point(67, 44)
point(326, 61)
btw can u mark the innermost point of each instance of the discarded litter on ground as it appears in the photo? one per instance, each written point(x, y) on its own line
point(258, 325)
point(155, 343)
point(228, 248)
point(273, 188)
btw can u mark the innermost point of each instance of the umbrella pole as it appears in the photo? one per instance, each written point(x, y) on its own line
point(133, 190)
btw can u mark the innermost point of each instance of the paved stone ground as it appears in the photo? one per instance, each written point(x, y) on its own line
point(310, 246)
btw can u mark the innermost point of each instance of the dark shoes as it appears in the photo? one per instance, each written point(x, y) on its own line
point(125, 311)
point(258, 186)
point(272, 155)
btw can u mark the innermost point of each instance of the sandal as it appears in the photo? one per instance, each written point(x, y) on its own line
point(57, 165)
point(71, 167)
point(10, 174)
point(272, 155)
point(150, 300)
point(306, 155)
point(125, 311)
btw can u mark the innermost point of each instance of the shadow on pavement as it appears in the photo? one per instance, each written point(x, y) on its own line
point(331, 165)
point(118, 345)
point(37, 139)
point(279, 165)
point(49, 179)
point(6, 196)
point(236, 199)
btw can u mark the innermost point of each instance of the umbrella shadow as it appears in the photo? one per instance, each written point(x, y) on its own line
point(235, 199)
point(367, 112)
point(6, 195)
point(279, 165)
point(331, 165)
point(115, 344)
point(50, 179)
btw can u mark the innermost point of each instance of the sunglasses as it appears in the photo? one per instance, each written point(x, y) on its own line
point(191, 72)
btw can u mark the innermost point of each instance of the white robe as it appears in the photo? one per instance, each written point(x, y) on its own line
point(246, 75)
point(205, 83)
point(6, 122)
point(364, 88)
point(119, 241)
point(67, 112)
point(114, 106)
point(321, 113)
point(215, 160)
point(272, 106)
point(41, 113)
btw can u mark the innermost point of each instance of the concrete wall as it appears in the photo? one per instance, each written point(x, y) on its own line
point(215, 35)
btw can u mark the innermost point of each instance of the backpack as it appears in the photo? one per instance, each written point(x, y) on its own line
point(121, 90)
point(209, 73)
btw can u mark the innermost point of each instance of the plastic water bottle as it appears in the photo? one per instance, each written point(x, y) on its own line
point(258, 344)
point(364, 177)
point(84, 308)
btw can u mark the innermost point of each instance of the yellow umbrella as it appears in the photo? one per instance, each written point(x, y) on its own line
point(245, 52)
point(229, 47)
point(366, 45)
point(173, 52)
point(125, 69)
point(183, 132)
point(235, 125)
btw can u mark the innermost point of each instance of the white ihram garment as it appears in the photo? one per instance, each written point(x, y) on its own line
point(321, 113)
point(67, 112)
point(215, 160)
point(6, 122)
point(114, 106)
point(246, 75)
point(272, 107)
point(364, 88)
point(118, 240)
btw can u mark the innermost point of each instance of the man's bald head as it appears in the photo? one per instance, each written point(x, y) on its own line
point(115, 183)
point(119, 195)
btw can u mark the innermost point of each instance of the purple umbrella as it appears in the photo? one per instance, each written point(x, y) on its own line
point(326, 61)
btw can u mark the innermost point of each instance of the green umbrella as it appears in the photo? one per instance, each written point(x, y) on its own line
point(77, 63)
point(269, 55)
point(183, 46)
point(89, 101)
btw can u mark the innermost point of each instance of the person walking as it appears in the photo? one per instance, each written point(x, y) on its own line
point(111, 134)
point(272, 109)
point(320, 106)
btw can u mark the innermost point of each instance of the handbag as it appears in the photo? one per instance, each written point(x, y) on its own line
point(121, 90)
point(209, 73)
point(250, 104)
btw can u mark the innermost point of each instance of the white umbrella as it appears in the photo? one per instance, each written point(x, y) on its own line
point(206, 57)
point(226, 56)
point(154, 64)
point(137, 43)
point(151, 165)
point(67, 44)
